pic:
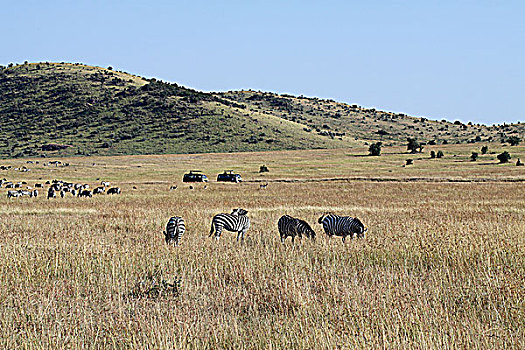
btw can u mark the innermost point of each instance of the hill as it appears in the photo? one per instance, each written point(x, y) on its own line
point(66, 109)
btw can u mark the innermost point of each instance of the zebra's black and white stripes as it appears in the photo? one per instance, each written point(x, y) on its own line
point(237, 221)
point(335, 225)
point(290, 226)
point(175, 230)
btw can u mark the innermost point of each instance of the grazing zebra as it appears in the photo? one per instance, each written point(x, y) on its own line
point(25, 193)
point(174, 230)
point(51, 193)
point(342, 226)
point(105, 183)
point(86, 193)
point(263, 186)
point(99, 190)
point(113, 190)
point(12, 193)
point(290, 226)
point(237, 221)
point(174, 187)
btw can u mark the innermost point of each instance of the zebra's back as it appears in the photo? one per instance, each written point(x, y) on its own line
point(335, 225)
point(230, 222)
point(175, 229)
point(290, 226)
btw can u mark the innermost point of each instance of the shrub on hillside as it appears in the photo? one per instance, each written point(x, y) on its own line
point(440, 154)
point(484, 149)
point(414, 146)
point(504, 157)
point(474, 156)
point(375, 149)
point(514, 140)
point(432, 154)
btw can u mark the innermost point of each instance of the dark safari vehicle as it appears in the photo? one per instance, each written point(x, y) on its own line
point(229, 176)
point(195, 176)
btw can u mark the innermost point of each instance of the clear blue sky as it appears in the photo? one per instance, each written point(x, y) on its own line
point(440, 59)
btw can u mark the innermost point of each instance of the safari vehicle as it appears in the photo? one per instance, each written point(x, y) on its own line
point(195, 176)
point(229, 176)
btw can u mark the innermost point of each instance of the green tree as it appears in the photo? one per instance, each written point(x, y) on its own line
point(375, 149)
point(514, 140)
point(414, 146)
point(504, 157)
point(432, 154)
point(484, 149)
point(474, 156)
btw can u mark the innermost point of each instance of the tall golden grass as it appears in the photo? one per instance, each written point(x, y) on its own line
point(443, 265)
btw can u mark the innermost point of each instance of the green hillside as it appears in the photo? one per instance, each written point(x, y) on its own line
point(65, 109)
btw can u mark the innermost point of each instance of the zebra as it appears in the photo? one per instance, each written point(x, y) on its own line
point(99, 190)
point(51, 193)
point(263, 186)
point(85, 193)
point(290, 226)
point(342, 226)
point(24, 193)
point(174, 230)
point(13, 193)
point(113, 190)
point(237, 221)
point(105, 183)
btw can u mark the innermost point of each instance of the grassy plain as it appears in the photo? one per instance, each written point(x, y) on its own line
point(442, 267)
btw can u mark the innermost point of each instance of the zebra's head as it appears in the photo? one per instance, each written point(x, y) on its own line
point(363, 231)
point(321, 219)
point(169, 238)
point(307, 230)
point(239, 211)
point(166, 236)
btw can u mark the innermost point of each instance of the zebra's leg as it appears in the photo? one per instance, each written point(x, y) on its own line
point(241, 235)
point(218, 231)
point(283, 237)
point(293, 239)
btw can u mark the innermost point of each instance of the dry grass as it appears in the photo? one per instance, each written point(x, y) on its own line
point(442, 267)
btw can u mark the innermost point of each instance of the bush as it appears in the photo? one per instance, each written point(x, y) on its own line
point(410, 161)
point(375, 149)
point(514, 140)
point(432, 154)
point(484, 149)
point(413, 146)
point(263, 169)
point(474, 156)
point(440, 154)
point(504, 157)
point(519, 163)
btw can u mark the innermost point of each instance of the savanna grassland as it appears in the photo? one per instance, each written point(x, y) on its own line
point(442, 266)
